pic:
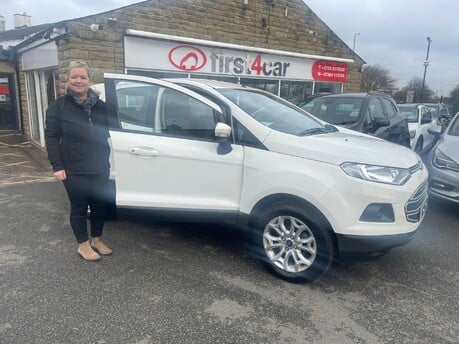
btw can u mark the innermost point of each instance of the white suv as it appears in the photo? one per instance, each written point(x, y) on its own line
point(309, 191)
point(419, 122)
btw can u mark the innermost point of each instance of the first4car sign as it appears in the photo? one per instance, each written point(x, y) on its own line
point(164, 55)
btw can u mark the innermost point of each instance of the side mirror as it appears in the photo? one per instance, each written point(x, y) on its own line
point(222, 132)
point(380, 122)
point(435, 131)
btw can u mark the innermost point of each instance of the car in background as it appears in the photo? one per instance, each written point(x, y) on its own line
point(443, 163)
point(419, 122)
point(371, 113)
point(217, 152)
point(440, 113)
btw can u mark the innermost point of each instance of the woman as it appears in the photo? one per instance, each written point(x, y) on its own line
point(76, 140)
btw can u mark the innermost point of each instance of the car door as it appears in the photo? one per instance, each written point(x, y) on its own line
point(165, 153)
point(426, 122)
point(374, 112)
point(398, 126)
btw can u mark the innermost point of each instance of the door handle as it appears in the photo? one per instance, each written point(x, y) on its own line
point(143, 151)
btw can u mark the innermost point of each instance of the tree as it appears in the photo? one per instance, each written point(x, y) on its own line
point(376, 78)
point(454, 99)
point(415, 84)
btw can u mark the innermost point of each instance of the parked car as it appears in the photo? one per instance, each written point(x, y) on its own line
point(443, 163)
point(419, 122)
point(371, 113)
point(309, 192)
point(440, 113)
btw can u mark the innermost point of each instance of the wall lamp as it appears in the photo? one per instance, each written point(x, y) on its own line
point(96, 27)
point(245, 5)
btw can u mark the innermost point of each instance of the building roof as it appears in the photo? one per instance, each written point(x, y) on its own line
point(23, 32)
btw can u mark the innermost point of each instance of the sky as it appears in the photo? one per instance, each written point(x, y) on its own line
point(389, 33)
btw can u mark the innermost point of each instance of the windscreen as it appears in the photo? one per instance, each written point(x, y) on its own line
point(339, 110)
point(275, 113)
point(410, 113)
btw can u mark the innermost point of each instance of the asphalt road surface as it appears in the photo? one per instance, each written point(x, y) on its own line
point(169, 283)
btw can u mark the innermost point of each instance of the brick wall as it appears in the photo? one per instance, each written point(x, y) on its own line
point(289, 25)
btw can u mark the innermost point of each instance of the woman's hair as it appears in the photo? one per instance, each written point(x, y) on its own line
point(79, 64)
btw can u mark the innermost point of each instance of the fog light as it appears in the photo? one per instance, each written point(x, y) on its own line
point(378, 212)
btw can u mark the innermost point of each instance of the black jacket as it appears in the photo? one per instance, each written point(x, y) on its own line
point(75, 142)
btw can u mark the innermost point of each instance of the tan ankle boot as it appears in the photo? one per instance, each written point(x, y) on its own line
point(87, 253)
point(98, 245)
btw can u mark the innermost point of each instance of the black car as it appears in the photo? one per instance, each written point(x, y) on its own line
point(371, 113)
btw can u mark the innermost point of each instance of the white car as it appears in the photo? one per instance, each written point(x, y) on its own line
point(420, 121)
point(310, 192)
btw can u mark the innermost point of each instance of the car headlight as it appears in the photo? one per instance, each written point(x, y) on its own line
point(412, 133)
point(441, 160)
point(378, 174)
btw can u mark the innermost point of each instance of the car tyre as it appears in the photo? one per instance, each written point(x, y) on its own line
point(293, 242)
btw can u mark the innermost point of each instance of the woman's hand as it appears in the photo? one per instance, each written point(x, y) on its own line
point(60, 175)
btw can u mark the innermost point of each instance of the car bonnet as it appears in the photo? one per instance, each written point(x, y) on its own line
point(339, 147)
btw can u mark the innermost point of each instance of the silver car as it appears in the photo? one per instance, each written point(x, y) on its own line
point(443, 163)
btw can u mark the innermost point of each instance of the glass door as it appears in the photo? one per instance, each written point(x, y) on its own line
point(42, 89)
point(8, 116)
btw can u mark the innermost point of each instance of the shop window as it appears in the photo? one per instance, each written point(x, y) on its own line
point(295, 91)
point(327, 87)
point(271, 86)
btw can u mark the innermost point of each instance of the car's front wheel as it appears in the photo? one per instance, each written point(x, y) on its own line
point(294, 243)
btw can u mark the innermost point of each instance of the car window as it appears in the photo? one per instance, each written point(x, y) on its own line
point(434, 110)
point(410, 113)
point(307, 105)
point(136, 103)
point(184, 116)
point(375, 109)
point(425, 114)
point(389, 108)
point(272, 111)
point(337, 110)
point(150, 108)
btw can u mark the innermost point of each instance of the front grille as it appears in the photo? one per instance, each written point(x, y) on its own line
point(416, 206)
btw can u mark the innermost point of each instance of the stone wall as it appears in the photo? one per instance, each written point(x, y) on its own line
point(288, 25)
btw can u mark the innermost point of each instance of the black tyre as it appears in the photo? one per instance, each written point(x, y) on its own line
point(293, 242)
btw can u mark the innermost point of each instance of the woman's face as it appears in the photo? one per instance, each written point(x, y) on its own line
point(79, 82)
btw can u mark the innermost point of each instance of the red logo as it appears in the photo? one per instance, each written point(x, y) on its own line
point(187, 57)
point(329, 71)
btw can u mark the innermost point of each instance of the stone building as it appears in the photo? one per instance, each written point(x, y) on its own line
point(278, 45)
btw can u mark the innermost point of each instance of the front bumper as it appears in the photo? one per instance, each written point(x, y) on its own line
point(350, 246)
point(345, 203)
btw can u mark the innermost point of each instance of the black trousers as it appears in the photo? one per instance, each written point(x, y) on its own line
point(87, 190)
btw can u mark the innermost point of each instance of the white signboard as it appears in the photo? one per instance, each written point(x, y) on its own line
point(157, 54)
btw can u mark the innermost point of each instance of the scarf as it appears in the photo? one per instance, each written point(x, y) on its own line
point(86, 104)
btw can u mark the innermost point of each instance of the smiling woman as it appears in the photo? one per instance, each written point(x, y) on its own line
point(76, 140)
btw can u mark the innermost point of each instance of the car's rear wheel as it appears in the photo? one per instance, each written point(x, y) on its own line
point(294, 243)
